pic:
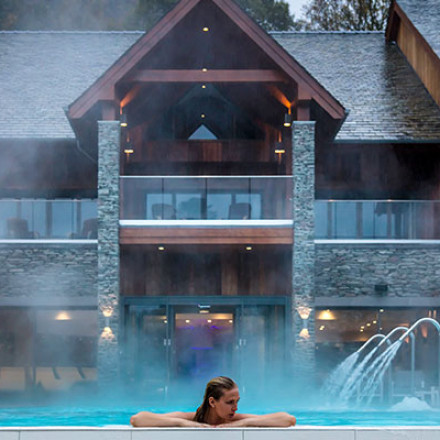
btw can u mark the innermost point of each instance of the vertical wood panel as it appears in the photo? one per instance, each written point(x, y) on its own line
point(424, 62)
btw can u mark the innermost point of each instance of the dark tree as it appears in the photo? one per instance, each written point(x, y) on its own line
point(270, 14)
point(119, 14)
point(340, 15)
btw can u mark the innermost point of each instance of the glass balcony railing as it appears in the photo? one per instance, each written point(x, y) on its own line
point(270, 198)
point(206, 198)
point(377, 219)
point(48, 219)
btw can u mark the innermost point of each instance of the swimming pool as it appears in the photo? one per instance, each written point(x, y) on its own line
point(110, 416)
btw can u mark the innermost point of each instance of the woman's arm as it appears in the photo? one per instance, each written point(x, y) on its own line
point(146, 419)
point(274, 420)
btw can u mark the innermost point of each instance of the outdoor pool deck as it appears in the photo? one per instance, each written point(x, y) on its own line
point(297, 433)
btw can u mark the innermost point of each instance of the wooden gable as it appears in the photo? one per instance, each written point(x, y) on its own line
point(170, 53)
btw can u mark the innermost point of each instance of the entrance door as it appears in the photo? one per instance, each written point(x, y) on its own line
point(191, 342)
point(204, 344)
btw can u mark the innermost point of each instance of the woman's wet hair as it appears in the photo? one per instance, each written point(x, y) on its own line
point(215, 388)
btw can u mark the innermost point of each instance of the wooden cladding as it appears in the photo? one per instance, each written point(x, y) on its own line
point(204, 151)
point(206, 235)
point(225, 271)
point(421, 57)
point(208, 75)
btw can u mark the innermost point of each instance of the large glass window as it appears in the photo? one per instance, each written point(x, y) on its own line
point(48, 350)
point(340, 332)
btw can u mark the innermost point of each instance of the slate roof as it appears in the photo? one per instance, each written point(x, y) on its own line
point(425, 16)
point(41, 73)
point(372, 79)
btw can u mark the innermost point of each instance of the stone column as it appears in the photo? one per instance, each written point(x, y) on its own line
point(303, 146)
point(108, 251)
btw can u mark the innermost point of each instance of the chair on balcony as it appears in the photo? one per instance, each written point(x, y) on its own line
point(240, 211)
point(163, 211)
point(18, 228)
point(90, 228)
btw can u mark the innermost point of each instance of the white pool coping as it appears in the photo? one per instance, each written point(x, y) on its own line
point(296, 433)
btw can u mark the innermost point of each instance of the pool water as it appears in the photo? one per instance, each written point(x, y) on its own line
point(99, 417)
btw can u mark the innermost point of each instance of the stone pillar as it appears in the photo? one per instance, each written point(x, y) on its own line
point(108, 251)
point(303, 146)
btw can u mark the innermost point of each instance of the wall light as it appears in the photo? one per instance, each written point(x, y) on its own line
point(63, 316)
point(326, 315)
point(287, 120)
point(107, 311)
point(304, 333)
point(124, 121)
point(107, 334)
point(304, 313)
point(205, 29)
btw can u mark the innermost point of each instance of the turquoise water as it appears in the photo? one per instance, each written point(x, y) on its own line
point(98, 417)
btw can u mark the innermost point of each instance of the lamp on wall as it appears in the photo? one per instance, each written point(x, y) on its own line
point(288, 118)
point(123, 119)
point(304, 314)
point(107, 333)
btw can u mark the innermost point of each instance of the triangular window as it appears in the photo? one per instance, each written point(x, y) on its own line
point(202, 133)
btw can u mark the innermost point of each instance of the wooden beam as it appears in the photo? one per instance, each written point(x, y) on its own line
point(303, 110)
point(205, 236)
point(108, 111)
point(209, 76)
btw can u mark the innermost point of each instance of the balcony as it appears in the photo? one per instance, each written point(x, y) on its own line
point(45, 219)
point(255, 209)
point(206, 198)
point(378, 219)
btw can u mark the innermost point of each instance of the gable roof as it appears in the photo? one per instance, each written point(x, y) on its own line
point(384, 96)
point(425, 16)
point(42, 72)
point(104, 87)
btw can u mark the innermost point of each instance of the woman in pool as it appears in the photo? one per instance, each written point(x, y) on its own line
point(218, 408)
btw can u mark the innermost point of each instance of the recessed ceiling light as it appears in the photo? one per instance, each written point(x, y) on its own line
point(161, 248)
point(205, 29)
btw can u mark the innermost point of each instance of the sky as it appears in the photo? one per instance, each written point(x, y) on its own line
point(296, 6)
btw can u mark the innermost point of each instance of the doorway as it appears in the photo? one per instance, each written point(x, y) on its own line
point(185, 341)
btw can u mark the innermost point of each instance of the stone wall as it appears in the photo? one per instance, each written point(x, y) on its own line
point(109, 135)
point(354, 270)
point(303, 282)
point(48, 270)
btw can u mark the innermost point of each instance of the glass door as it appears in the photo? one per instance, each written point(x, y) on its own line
point(184, 343)
point(203, 342)
point(147, 348)
point(262, 346)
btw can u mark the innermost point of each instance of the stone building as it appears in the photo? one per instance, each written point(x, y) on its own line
point(211, 199)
